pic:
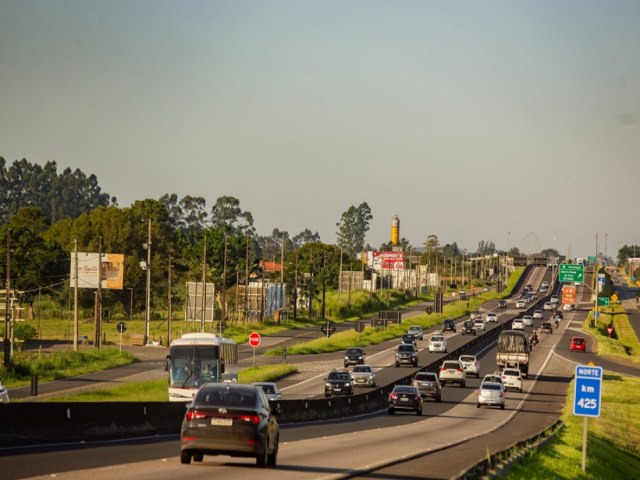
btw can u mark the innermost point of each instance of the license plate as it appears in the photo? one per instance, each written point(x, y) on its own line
point(404, 399)
point(221, 422)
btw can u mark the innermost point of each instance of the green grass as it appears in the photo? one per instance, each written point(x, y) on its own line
point(156, 390)
point(56, 365)
point(613, 450)
point(623, 344)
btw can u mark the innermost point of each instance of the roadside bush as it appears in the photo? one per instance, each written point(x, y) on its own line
point(24, 331)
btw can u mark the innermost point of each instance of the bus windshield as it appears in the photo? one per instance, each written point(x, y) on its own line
point(194, 365)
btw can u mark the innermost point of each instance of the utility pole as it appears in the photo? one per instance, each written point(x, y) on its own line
point(223, 285)
point(147, 317)
point(204, 283)
point(7, 315)
point(75, 295)
point(169, 304)
point(246, 280)
point(98, 339)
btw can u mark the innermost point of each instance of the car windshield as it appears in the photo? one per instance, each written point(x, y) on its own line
point(511, 373)
point(361, 368)
point(406, 348)
point(468, 324)
point(414, 329)
point(338, 376)
point(578, 341)
point(404, 389)
point(354, 351)
point(270, 389)
point(223, 396)
point(453, 365)
point(437, 338)
point(425, 377)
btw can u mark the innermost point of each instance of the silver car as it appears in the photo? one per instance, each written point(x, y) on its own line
point(491, 394)
point(363, 376)
point(270, 389)
point(416, 331)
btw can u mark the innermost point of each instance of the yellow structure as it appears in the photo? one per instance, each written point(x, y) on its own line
point(395, 230)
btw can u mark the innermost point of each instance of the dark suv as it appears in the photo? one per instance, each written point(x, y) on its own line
point(408, 338)
point(502, 304)
point(467, 327)
point(406, 354)
point(354, 356)
point(449, 325)
point(338, 382)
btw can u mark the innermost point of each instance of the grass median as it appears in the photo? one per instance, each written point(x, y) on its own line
point(623, 344)
point(613, 450)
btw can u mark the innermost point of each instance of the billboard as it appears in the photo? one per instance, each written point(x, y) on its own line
point(112, 270)
point(569, 294)
point(386, 260)
point(200, 302)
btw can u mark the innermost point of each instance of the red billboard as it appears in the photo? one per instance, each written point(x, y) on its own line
point(387, 260)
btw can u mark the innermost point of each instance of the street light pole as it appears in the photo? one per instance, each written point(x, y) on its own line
point(148, 298)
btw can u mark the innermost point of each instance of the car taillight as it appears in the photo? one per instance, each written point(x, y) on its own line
point(459, 370)
point(443, 369)
point(194, 414)
point(255, 419)
point(393, 396)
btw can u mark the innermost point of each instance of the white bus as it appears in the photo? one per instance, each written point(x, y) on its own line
point(199, 358)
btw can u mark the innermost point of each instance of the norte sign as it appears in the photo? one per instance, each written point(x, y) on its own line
point(571, 273)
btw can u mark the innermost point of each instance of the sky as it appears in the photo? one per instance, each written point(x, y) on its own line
point(504, 121)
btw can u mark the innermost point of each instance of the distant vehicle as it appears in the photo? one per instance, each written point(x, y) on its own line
point(467, 327)
point(547, 306)
point(492, 317)
point(470, 364)
point(407, 355)
point(338, 382)
point(363, 376)
point(230, 419)
point(354, 356)
point(478, 324)
point(4, 393)
point(491, 394)
point(537, 314)
point(475, 315)
point(527, 320)
point(449, 325)
point(428, 385)
point(546, 327)
point(521, 303)
point(270, 389)
point(568, 307)
point(492, 378)
point(408, 338)
point(416, 331)
point(405, 397)
point(513, 350)
point(502, 304)
point(517, 324)
point(544, 284)
point(512, 378)
point(438, 343)
point(451, 371)
point(554, 299)
point(578, 344)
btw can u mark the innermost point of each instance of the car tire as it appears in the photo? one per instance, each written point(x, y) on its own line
point(272, 458)
point(185, 457)
point(501, 407)
point(520, 390)
point(327, 395)
point(391, 411)
point(477, 405)
point(397, 365)
point(263, 458)
point(438, 398)
point(419, 412)
point(198, 457)
point(462, 384)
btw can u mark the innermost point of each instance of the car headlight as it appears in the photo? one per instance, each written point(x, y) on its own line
point(327, 385)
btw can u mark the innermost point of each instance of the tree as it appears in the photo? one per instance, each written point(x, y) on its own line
point(485, 248)
point(226, 213)
point(306, 236)
point(353, 227)
point(194, 212)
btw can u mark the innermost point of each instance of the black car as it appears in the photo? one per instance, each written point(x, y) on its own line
point(338, 382)
point(406, 354)
point(230, 419)
point(405, 397)
point(467, 327)
point(408, 338)
point(354, 356)
point(502, 304)
point(546, 327)
point(449, 325)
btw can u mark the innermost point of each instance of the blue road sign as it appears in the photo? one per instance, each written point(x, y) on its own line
point(588, 392)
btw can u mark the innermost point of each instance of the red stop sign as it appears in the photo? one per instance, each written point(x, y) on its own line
point(254, 339)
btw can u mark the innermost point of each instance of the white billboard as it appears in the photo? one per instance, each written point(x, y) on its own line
point(112, 270)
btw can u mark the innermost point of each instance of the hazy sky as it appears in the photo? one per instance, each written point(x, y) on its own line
point(467, 119)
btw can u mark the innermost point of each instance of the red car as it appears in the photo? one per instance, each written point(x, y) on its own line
point(578, 343)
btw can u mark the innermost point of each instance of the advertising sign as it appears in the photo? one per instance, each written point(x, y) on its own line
point(387, 260)
point(112, 270)
point(569, 294)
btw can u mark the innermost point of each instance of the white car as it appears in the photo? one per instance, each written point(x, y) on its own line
point(451, 371)
point(568, 307)
point(4, 393)
point(544, 284)
point(537, 315)
point(517, 324)
point(512, 378)
point(470, 364)
point(521, 303)
point(554, 299)
point(270, 389)
point(478, 324)
point(491, 394)
point(527, 320)
point(438, 343)
point(547, 306)
point(492, 317)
